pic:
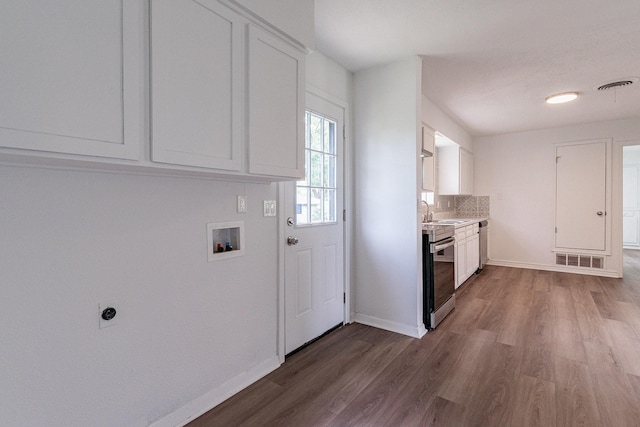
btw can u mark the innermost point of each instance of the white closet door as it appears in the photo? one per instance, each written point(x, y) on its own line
point(581, 196)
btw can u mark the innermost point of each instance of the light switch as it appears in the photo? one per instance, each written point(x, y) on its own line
point(270, 208)
point(242, 203)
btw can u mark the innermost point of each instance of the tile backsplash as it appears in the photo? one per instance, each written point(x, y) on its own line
point(472, 206)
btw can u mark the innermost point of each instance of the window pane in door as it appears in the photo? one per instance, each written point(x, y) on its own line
point(316, 169)
point(329, 205)
point(316, 205)
point(315, 132)
point(302, 205)
point(316, 193)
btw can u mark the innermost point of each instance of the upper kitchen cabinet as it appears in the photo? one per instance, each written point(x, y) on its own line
point(428, 165)
point(196, 84)
point(71, 77)
point(455, 170)
point(226, 94)
point(276, 106)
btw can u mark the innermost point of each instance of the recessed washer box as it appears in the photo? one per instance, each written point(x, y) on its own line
point(221, 233)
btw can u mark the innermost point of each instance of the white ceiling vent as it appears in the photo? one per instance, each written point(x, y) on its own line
point(617, 84)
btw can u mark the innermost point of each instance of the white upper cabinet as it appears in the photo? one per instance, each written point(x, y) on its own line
point(71, 77)
point(225, 94)
point(226, 86)
point(455, 170)
point(276, 106)
point(196, 84)
point(428, 164)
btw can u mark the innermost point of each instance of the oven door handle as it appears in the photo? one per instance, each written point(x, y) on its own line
point(443, 245)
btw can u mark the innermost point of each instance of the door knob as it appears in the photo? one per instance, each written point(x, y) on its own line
point(599, 213)
point(292, 240)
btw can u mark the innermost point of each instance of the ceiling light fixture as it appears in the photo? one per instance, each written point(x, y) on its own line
point(560, 98)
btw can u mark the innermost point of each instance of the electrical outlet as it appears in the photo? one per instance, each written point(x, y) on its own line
point(107, 314)
point(242, 203)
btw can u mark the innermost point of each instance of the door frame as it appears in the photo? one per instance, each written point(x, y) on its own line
point(617, 205)
point(347, 228)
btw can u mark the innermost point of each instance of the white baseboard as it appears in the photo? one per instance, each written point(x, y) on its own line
point(399, 328)
point(555, 268)
point(218, 395)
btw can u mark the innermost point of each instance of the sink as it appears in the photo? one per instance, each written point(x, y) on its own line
point(447, 221)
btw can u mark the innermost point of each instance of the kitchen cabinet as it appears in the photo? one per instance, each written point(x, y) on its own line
point(276, 106)
point(205, 80)
point(467, 255)
point(428, 164)
point(196, 84)
point(71, 79)
point(226, 88)
point(455, 170)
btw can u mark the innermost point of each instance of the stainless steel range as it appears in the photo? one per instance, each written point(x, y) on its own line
point(438, 272)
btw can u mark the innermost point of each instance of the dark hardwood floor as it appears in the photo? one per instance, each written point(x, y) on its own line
point(522, 348)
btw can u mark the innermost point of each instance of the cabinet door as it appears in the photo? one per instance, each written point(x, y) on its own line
point(196, 84)
point(466, 172)
point(71, 77)
point(473, 254)
point(461, 262)
point(276, 106)
point(428, 164)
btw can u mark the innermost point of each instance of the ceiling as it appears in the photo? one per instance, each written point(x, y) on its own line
point(489, 64)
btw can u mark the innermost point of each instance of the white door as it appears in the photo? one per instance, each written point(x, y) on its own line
point(631, 206)
point(314, 261)
point(581, 196)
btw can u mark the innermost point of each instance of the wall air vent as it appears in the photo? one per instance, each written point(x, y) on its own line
point(617, 84)
point(580, 261)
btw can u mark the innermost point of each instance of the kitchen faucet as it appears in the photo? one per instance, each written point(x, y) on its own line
point(429, 213)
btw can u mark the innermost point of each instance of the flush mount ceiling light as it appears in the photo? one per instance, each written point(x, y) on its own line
point(560, 98)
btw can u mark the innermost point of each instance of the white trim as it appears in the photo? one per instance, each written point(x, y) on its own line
point(617, 202)
point(399, 328)
point(204, 403)
point(555, 268)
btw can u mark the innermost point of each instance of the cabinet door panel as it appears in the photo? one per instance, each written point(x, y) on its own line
point(276, 106)
point(473, 254)
point(196, 84)
point(70, 79)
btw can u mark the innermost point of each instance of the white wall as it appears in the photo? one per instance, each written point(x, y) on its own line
point(518, 172)
point(189, 332)
point(386, 261)
point(441, 122)
point(72, 240)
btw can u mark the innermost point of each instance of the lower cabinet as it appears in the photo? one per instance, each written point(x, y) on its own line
point(467, 252)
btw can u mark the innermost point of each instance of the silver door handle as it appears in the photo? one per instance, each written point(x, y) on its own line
point(292, 240)
point(599, 213)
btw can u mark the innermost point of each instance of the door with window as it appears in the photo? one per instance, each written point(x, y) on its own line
point(314, 230)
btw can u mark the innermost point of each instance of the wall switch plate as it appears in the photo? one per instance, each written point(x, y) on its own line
point(270, 208)
point(242, 203)
point(105, 313)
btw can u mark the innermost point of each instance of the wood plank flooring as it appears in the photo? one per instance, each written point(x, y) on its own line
point(522, 348)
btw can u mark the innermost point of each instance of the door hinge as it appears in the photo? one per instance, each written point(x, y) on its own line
point(344, 298)
point(344, 132)
point(556, 230)
point(344, 215)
